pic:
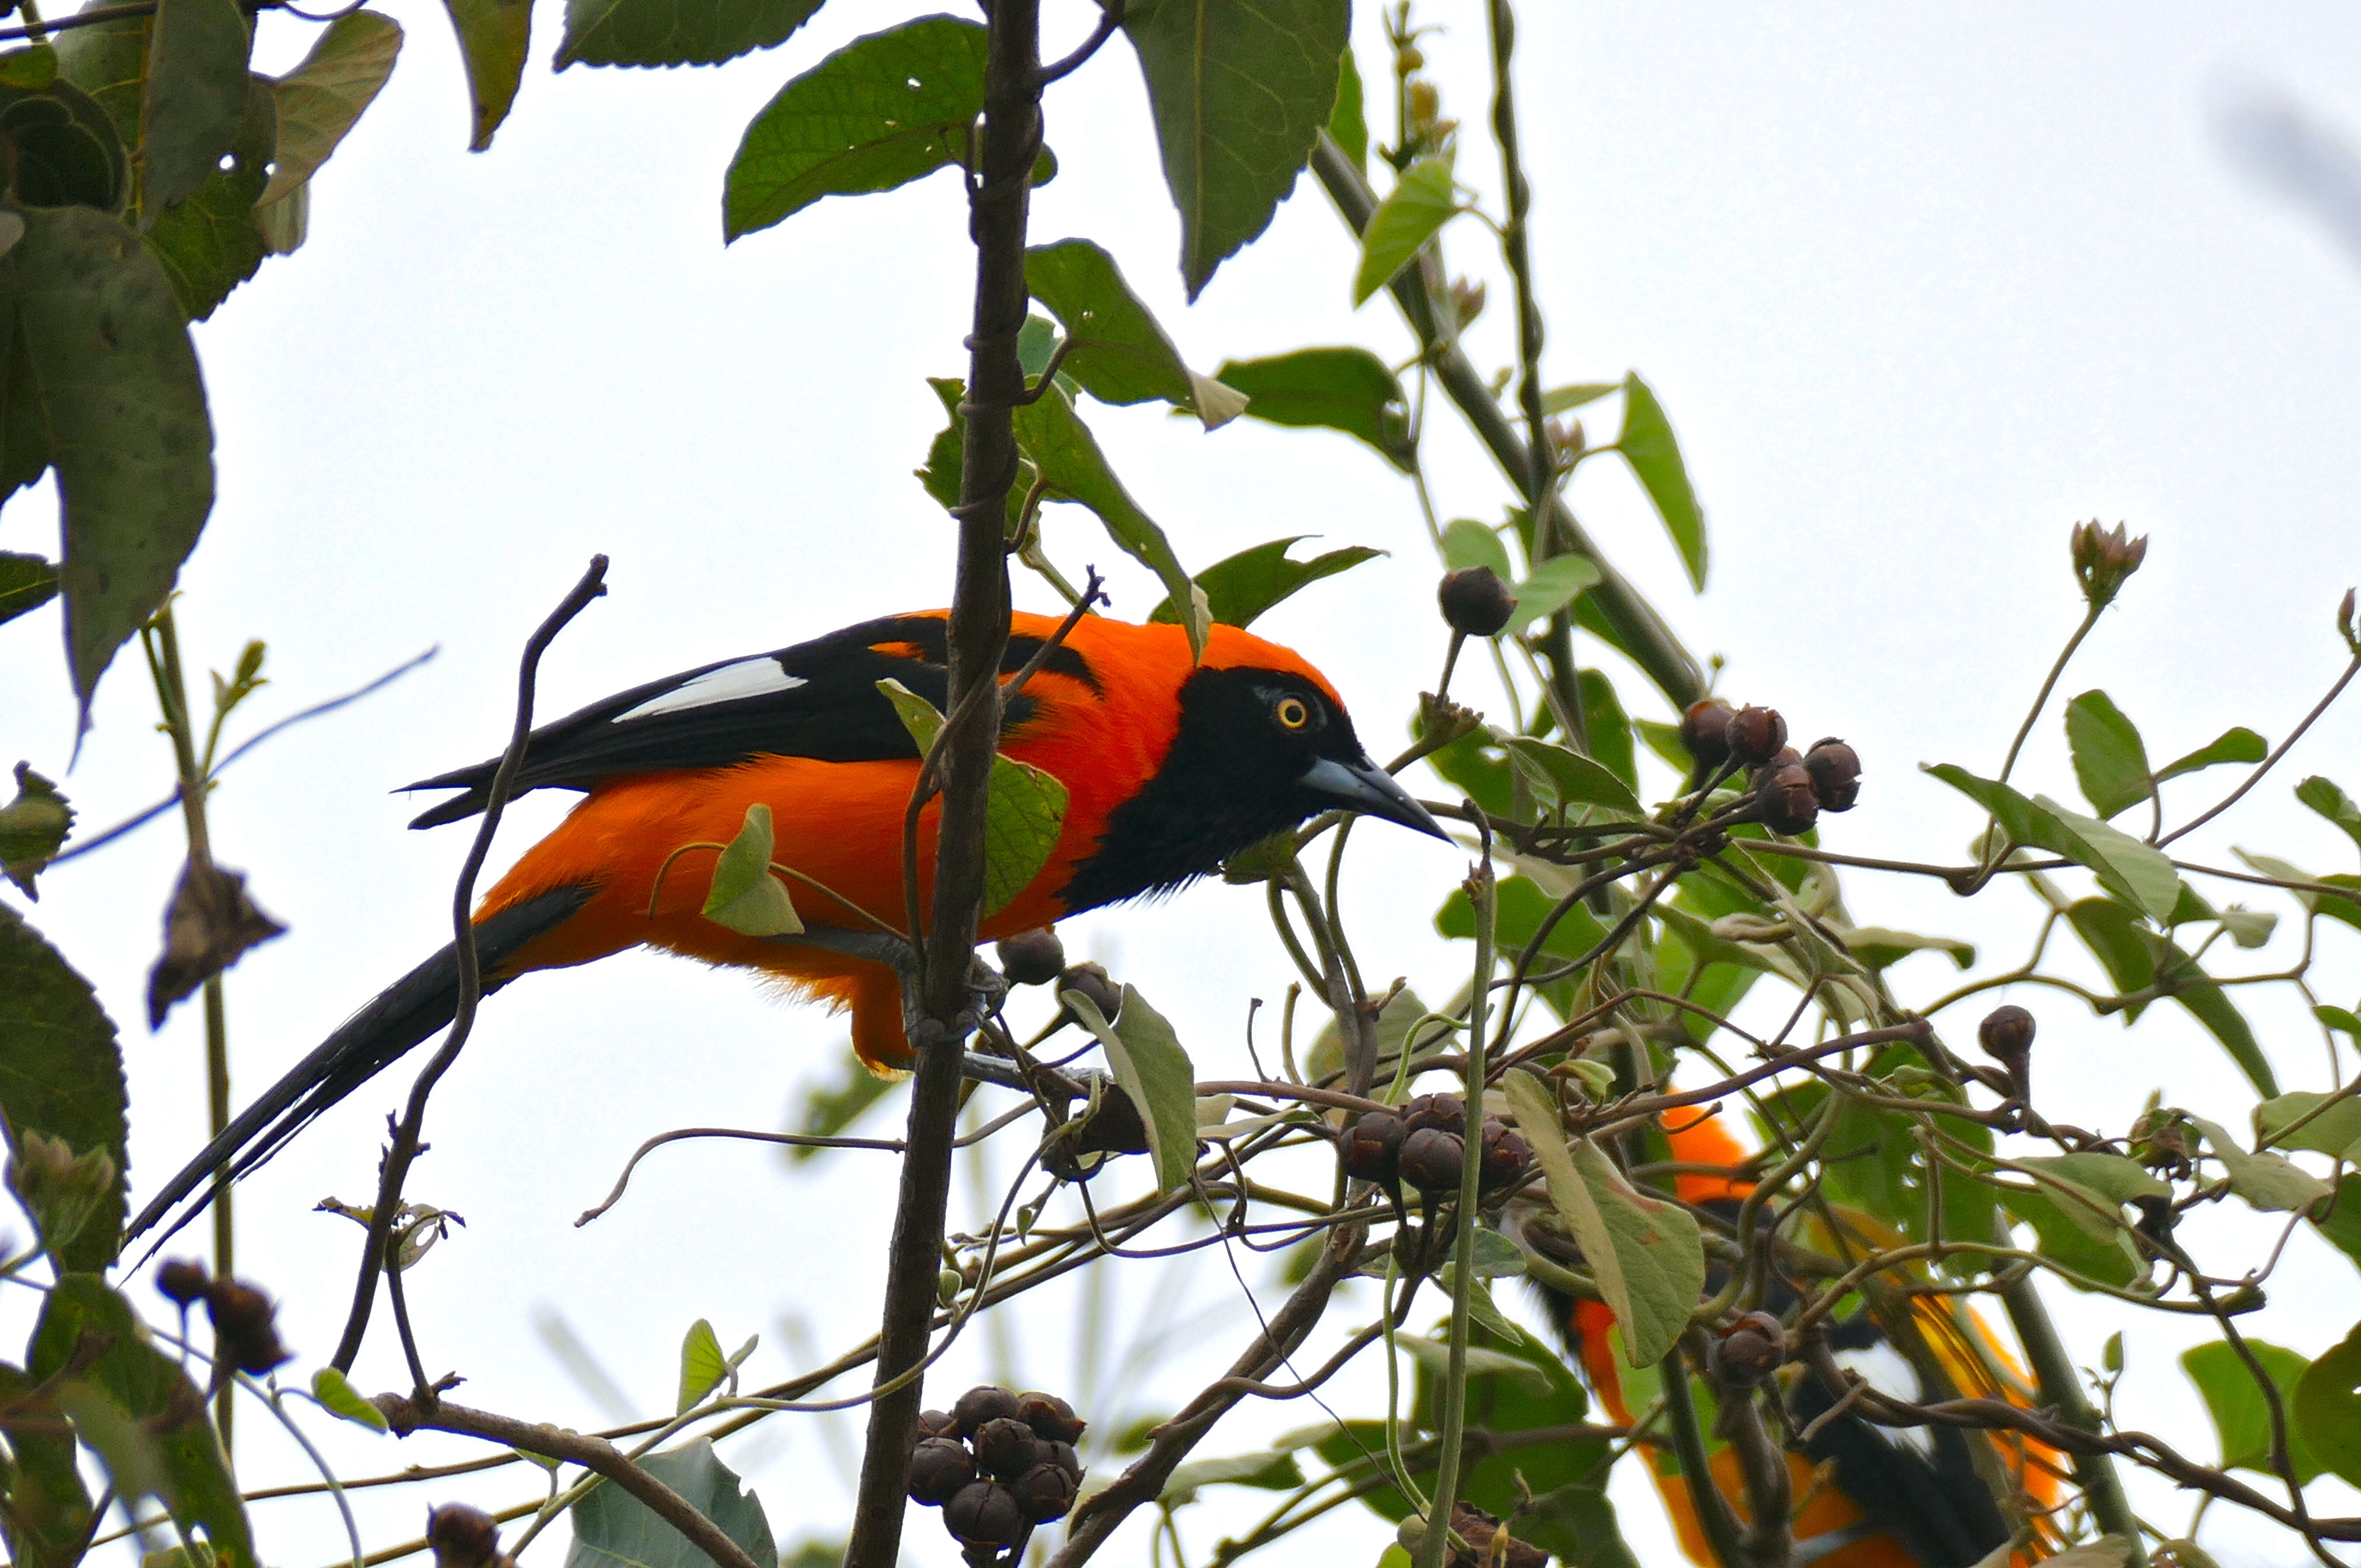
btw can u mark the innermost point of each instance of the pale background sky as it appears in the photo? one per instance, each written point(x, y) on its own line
point(1919, 286)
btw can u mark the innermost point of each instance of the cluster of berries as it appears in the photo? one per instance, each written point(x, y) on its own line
point(245, 1331)
point(1792, 788)
point(1425, 1145)
point(997, 1463)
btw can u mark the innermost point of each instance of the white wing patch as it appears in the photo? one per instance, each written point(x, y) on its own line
point(1885, 1369)
point(731, 683)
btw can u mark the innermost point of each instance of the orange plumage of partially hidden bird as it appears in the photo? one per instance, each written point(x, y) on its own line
point(1171, 765)
point(1866, 1496)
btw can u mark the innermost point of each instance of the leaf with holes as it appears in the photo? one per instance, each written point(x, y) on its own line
point(675, 32)
point(1423, 199)
point(1238, 588)
point(1646, 1253)
point(1154, 1070)
point(2241, 1419)
point(882, 111)
point(746, 898)
point(1347, 390)
point(2109, 761)
point(321, 100)
point(1239, 90)
point(210, 243)
point(1072, 468)
point(193, 97)
point(1647, 445)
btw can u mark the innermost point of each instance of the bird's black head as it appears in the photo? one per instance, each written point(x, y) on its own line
point(1257, 750)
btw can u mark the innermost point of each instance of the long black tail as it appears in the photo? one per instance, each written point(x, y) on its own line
point(379, 1035)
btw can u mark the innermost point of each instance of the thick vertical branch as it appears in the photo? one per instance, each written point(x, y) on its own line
point(977, 636)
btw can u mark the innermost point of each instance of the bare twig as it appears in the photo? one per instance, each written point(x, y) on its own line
point(100, 840)
point(395, 1166)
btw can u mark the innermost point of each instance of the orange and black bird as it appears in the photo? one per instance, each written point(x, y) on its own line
point(1866, 1496)
point(1171, 765)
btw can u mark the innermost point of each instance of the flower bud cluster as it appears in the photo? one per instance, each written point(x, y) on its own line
point(997, 1463)
point(2103, 558)
point(1425, 1146)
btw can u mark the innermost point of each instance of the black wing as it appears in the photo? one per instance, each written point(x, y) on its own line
point(816, 699)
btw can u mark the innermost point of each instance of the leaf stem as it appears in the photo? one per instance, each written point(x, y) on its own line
point(1482, 891)
point(172, 696)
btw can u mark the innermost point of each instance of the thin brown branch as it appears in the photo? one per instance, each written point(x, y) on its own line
point(1099, 1516)
point(593, 1454)
point(395, 1166)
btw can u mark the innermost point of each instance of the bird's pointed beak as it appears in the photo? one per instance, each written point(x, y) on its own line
point(1363, 786)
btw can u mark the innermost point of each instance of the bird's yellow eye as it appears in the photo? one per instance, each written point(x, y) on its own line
point(1291, 713)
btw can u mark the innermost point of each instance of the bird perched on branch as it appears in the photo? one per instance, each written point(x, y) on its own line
point(1169, 765)
point(1865, 1496)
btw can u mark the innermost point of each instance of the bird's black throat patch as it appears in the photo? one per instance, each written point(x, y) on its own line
point(1233, 777)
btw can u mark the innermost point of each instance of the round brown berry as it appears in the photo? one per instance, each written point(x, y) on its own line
point(463, 1537)
point(2006, 1034)
point(1432, 1159)
point(940, 1468)
point(1051, 1418)
point(1091, 981)
point(1784, 790)
point(184, 1281)
point(1704, 731)
point(983, 1514)
point(1006, 1448)
point(1370, 1149)
point(1044, 1493)
point(1507, 1156)
point(1749, 1352)
point(984, 1402)
point(1476, 602)
point(1755, 735)
point(935, 1423)
point(1441, 1111)
point(245, 1333)
point(1835, 768)
point(1031, 957)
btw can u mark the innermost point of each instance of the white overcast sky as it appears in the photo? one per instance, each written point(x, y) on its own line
point(1920, 287)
